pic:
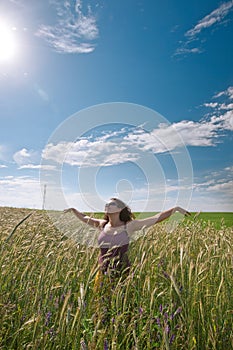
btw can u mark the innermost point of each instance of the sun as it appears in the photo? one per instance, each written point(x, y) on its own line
point(7, 43)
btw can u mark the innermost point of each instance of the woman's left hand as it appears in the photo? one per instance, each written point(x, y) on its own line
point(183, 211)
point(68, 210)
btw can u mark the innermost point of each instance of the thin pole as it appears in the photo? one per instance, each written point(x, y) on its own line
point(44, 195)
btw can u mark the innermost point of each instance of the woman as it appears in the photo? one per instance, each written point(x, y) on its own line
point(115, 229)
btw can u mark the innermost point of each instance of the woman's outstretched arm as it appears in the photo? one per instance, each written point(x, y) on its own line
point(84, 218)
point(166, 214)
point(152, 220)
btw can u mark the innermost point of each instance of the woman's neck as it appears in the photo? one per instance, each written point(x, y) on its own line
point(114, 220)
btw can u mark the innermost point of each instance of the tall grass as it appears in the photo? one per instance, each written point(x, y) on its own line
point(178, 294)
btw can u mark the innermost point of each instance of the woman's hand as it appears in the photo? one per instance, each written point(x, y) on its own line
point(183, 211)
point(68, 210)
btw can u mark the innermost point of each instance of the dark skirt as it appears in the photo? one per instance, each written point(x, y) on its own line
point(115, 259)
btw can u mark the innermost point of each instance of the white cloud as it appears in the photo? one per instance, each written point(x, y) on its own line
point(135, 143)
point(229, 168)
point(211, 19)
point(2, 166)
point(86, 153)
point(214, 191)
point(56, 152)
point(211, 104)
point(74, 31)
point(219, 106)
point(20, 156)
point(168, 137)
point(25, 157)
point(21, 191)
point(225, 187)
point(220, 187)
point(227, 120)
point(222, 113)
point(38, 167)
point(197, 133)
point(228, 92)
point(216, 17)
point(217, 181)
point(185, 50)
point(226, 106)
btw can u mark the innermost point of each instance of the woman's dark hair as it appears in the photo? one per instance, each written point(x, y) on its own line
point(125, 215)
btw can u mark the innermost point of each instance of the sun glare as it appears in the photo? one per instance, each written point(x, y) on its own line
point(7, 43)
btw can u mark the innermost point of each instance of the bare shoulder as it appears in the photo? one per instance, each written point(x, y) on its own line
point(98, 223)
point(138, 224)
point(131, 225)
point(101, 223)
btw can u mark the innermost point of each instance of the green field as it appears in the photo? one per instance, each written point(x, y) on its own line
point(178, 294)
point(217, 219)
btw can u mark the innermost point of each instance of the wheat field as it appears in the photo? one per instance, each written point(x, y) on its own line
point(178, 294)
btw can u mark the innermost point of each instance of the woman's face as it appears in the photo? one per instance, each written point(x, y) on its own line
point(111, 207)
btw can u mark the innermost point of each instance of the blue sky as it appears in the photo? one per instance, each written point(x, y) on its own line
point(58, 58)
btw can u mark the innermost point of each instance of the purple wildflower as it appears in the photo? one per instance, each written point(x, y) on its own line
point(105, 344)
point(47, 318)
point(178, 311)
point(173, 314)
point(166, 275)
point(167, 329)
point(172, 339)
